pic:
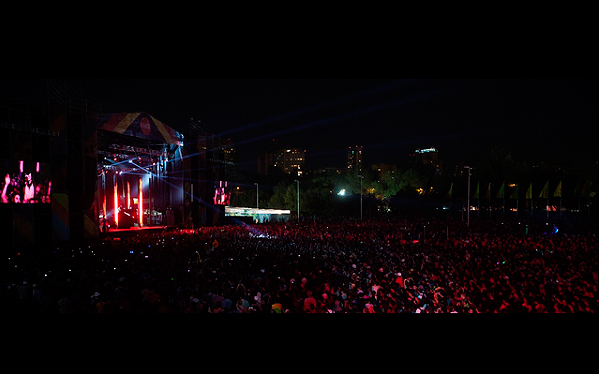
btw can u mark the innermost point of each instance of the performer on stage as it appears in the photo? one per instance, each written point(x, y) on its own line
point(29, 189)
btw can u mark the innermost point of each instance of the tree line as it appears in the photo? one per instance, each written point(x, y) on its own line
point(334, 195)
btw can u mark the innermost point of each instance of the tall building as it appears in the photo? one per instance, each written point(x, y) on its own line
point(426, 156)
point(381, 170)
point(291, 160)
point(265, 160)
point(354, 158)
point(228, 149)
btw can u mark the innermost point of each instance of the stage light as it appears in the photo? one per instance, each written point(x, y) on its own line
point(140, 202)
point(104, 209)
point(116, 212)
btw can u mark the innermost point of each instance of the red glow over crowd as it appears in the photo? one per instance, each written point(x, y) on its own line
point(371, 266)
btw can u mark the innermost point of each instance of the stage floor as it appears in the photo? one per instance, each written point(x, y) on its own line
point(136, 231)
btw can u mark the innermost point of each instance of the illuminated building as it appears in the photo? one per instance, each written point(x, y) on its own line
point(228, 150)
point(354, 158)
point(330, 171)
point(226, 156)
point(426, 156)
point(291, 160)
point(381, 170)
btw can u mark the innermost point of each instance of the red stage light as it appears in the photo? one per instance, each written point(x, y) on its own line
point(140, 204)
point(116, 201)
point(128, 196)
point(104, 208)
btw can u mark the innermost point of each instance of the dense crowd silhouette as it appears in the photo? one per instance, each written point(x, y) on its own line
point(371, 266)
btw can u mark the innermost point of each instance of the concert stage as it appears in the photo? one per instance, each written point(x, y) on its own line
point(87, 171)
point(139, 174)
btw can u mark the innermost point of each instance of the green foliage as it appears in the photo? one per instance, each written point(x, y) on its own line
point(389, 186)
point(278, 199)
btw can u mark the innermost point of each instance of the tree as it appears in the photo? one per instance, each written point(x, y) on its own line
point(389, 186)
point(411, 180)
point(278, 199)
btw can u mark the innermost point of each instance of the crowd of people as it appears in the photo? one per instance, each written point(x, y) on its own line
point(370, 266)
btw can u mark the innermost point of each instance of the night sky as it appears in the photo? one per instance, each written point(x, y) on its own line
point(553, 120)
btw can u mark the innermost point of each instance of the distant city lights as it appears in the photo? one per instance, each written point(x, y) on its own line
point(426, 150)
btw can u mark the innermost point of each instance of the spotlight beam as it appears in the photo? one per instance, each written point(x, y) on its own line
point(338, 101)
point(347, 115)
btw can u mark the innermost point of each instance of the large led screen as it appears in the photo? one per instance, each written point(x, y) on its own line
point(222, 194)
point(25, 182)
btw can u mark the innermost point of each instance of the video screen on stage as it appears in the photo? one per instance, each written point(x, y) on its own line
point(24, 182)
point(222, 194)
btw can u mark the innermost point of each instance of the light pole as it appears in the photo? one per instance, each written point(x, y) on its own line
point(298, 195)
point(468, 193)
point(256, 184)
point(361, 194)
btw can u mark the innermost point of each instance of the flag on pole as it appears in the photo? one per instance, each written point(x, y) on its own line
point(489, 192)
point(529, 191)
point(585, 191)
point(558, 190)
point(544, 192)
point(515, 193)
point(500, 194)
point(476, 196)
point(449, 194)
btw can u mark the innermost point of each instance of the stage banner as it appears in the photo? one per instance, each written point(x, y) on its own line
point(140, 125)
